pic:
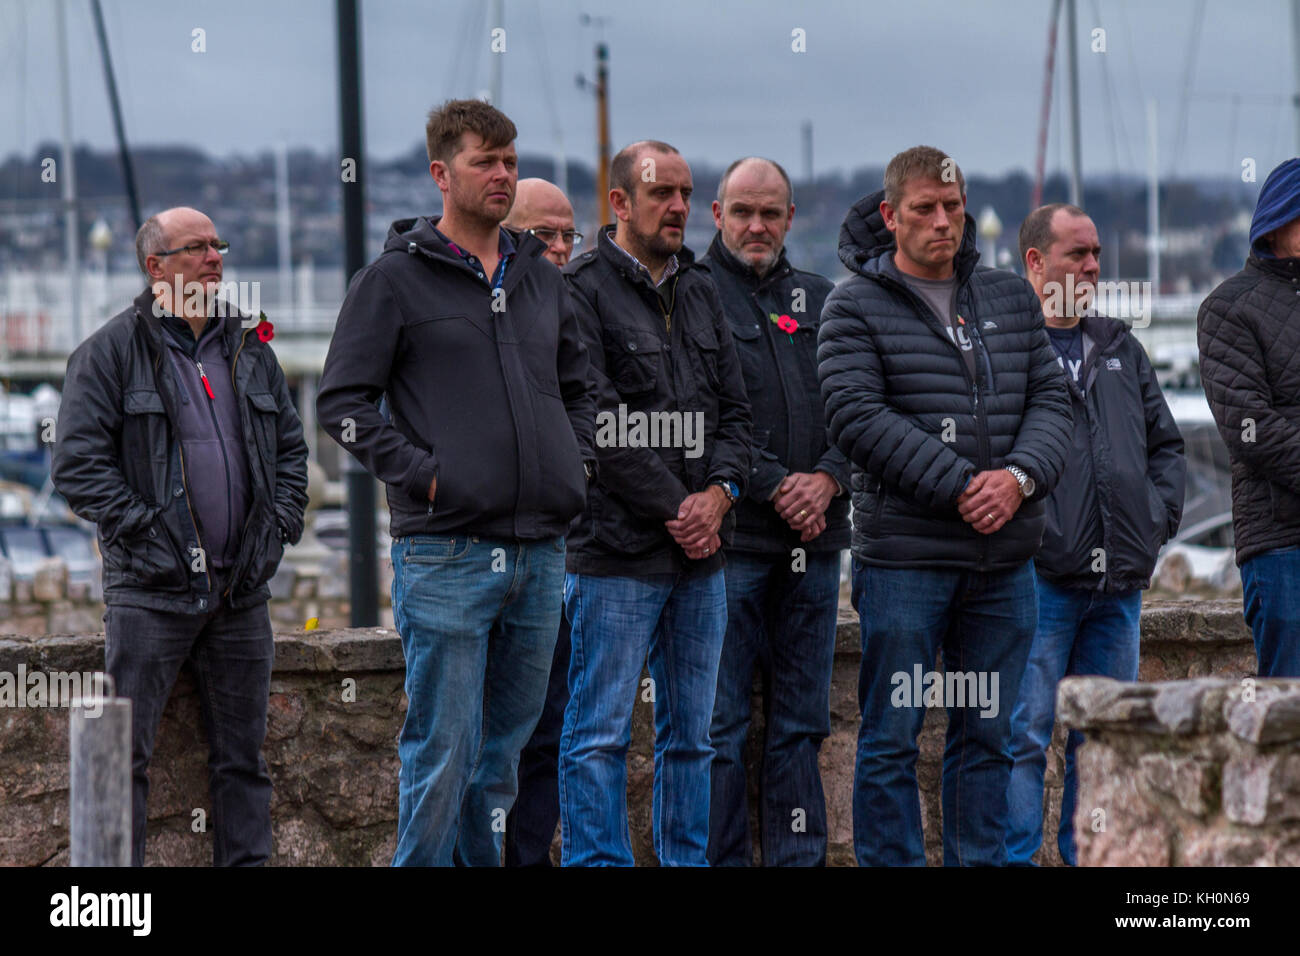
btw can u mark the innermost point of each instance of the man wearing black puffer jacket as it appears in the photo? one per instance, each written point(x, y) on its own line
point(178, 438)
point(1120, 499)
point(1248, 333)
point(943, 390)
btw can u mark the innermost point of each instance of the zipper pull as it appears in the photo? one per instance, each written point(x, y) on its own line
point(203, 376)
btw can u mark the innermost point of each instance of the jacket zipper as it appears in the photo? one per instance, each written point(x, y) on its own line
point(672, 304)
point(225, 459)
point(249, 520)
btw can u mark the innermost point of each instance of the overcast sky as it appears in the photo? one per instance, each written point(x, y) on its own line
point(717, 78)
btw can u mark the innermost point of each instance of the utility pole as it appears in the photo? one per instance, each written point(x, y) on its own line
point(69, 176)
point(602, 130)
point(363, 565)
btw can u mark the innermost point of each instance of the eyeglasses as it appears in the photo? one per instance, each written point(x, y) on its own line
point(571, 237)
point(195, 248)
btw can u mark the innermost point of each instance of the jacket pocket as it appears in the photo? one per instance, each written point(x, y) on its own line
point(264, 414)
point(705, 353)
point(632, 360)
point(1284, 503)
point(149, 561)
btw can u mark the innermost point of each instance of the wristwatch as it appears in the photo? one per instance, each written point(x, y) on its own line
point(1022, 479)
point(729, 488)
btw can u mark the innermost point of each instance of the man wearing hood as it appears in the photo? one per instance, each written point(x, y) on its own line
point(783, 569)
point(469, 334)
point(1119, 500)
point(943, 390)
point(1248, 334)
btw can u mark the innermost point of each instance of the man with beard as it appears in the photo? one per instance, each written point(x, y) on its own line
point(783, 568)
point(470, 336)
point(645, 569)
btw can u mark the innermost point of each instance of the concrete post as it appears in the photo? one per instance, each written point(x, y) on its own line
point(100, 779)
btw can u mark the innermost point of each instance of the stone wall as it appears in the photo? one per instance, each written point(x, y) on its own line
point(1187, 773)
point(336, 709)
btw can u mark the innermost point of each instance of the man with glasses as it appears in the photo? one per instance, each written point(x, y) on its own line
point(178, 438)
point(541, 209)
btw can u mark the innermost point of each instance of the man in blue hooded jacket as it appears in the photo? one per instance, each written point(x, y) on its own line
point(1248, 333)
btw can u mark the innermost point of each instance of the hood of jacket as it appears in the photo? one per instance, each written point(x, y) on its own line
point(866, 242)
point(1278, 204)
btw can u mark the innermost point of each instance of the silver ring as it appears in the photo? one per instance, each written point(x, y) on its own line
point(990, 516)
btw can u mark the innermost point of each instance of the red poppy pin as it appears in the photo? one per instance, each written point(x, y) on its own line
point(265, 330)
point(786, 324)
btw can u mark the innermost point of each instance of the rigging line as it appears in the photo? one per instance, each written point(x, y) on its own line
point(1105, 99)
point(1232, 132)
point(1194, 46)
point(455, 61)
point(1045, 110)
point(1113, 107)
point(476, 49)
point(548, 91)
point(1132, 62)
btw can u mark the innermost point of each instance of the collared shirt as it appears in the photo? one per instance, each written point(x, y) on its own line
point(669, 270)
point(505, 247)
point(183, 333)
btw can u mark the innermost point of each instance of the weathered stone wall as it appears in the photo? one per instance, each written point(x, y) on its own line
point(1187, 773)
point(333, 755)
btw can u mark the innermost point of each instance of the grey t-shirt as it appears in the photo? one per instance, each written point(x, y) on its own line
point(941, 296)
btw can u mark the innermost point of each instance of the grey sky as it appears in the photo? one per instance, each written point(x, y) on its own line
point(717, 78)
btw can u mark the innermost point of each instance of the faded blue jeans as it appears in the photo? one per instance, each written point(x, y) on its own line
point(1079, 632)
point(679, 620)
point(478, 618)
point(783, 621)
point(1271, 600)
point(984, 624)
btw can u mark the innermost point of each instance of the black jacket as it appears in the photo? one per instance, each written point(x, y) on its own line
point(651, 357)
point(496, 403)
point(1248, 332)
point(785, 398)
point(118, 463)
point(902, 406)
point(1138, 470)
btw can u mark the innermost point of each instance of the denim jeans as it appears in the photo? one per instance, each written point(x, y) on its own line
point(680, 621)
point(478, 619)
point(984, 623)
point(231, 652)
point(783, 621)
point(530, 827)
point(1079, 632)
point(1272, 606)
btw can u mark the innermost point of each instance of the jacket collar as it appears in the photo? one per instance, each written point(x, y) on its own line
point(232, 328)
point(724, 257)
point(1288, 268)
point(616, 256)
point(420, 234)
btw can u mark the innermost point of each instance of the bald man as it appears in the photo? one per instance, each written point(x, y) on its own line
point(542, 209)
point(178, 438)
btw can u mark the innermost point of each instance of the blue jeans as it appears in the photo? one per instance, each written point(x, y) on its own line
point(1079, 632)
point(783, 621)
point(680, 621)
point(1272, 606)
point(984, 624)
point(478, 620)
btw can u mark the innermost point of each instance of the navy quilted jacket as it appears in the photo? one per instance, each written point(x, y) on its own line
point(901, 404)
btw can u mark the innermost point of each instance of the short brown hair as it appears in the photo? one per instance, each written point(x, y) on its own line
point(919, 162)
point(622, 172)
point(447, 122)
point(1036, 230)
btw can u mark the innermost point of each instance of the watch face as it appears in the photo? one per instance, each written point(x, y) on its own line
point(1028, 487)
